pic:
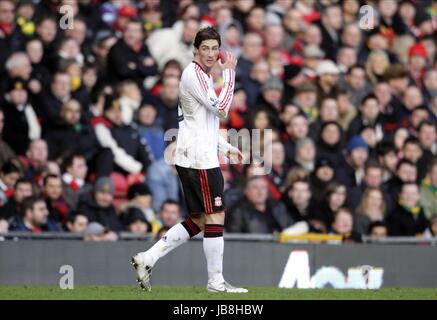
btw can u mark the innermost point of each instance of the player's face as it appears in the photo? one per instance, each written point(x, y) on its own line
point(207, 53)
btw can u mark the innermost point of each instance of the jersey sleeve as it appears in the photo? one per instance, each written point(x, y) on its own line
point(205, 94)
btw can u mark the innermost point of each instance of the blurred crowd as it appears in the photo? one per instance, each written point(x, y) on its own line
point(344, 93)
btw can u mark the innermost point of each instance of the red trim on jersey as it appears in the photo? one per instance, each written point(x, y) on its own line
point(201, 68)
point(228, 94)
point(203, 187)
point(200, 78)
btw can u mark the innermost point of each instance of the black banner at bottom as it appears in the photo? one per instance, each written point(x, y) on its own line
point(215, 309)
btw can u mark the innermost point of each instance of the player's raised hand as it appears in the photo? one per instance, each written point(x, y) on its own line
point(227, 61)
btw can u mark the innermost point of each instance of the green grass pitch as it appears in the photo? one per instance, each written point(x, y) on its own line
point(199, 293)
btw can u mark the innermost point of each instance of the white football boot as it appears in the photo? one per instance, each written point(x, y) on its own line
point(143, 267)
point(225, 287)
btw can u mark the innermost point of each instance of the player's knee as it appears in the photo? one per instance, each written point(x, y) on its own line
point(215, 218)
point(200, 222)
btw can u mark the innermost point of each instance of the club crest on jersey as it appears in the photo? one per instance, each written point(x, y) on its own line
point(217, 201)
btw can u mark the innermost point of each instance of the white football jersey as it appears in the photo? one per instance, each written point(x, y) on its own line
point(199, 111)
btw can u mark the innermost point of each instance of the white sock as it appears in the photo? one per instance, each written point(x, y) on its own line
point(213, 247)
point(171, 240)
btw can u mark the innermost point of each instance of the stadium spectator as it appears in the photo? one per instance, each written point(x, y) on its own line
point(300, 204)
point(327, 73)
point(431, 232)
point(297, 129)
point(77, 224)
point(166, 103)
point(174, 43)
point(140, 197)
point(136, 222)
point(254, 19)
point(377, 230)
point(124, 151)
point(306, 154)
point(70, 135)
point(342, 224)
point(50, 100)
point(35, 52)
point(293, 76)
point(9, 175)
point(36, 160)
point(430, 84)
point(4, 226)
point(427, 135)
point(255, 213)
point(130, 100)
point(278, 170)
point(74, 179)
point(259, 73)
point(21, 123)
point(334, 198)
point(170, 213)
point(97, 206)
point(47, 31)
point(34, 217)
point(331, 24)
point(406, 172)
point(149, 129)
point(328, 112)
point(369, 115)
point(162, 179)
point(352, 35)
point(270, 99)
point(130, 57)
point(330, 142)
point(321, 176)
point(387, 158)
point(373, 178)
point(6, 152)
point(371, 208)
point(53, 195)
point(17, 66)
point(412, 151)
point(377, 63)
point(408, 217)
point(306, 98)
point(428, 191)
point(97, 232)
point(9, 33)
point(103, 42)
point(352, 165)
point(356, 84)
point(23, 188)
point(252, 44)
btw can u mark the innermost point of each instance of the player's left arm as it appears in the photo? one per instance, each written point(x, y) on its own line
point(228, 74)
point(203, 91)
point(233, 153)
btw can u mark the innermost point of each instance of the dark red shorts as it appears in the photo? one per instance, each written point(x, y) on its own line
point(203, 189)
